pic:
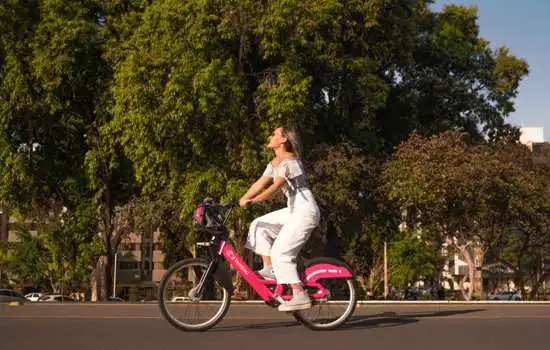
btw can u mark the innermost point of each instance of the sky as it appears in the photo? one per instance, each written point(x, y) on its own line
point(524, 27)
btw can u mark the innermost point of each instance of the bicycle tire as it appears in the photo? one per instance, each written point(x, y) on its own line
point(225, 303)
point(301, 317)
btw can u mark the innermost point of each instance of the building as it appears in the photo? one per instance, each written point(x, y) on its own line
point(533, 138)
point(139, 260)
point(139, 264)
point(531, 135)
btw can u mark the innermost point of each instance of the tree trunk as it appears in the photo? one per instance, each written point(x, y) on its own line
point(539, 282)
point(98, 281)
point(463, 251)
point(471, 271)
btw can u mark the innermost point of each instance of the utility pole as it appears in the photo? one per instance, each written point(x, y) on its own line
point(385, 268)
point(4, 219)
point(115, 270)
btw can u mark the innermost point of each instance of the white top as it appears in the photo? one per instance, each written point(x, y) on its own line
point(296, 188)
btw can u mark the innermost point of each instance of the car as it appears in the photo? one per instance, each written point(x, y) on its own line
point(8, 296)
point(52, 298)
point(33, 296)
point(506, 296)
point(178, 299)
point(117, 299)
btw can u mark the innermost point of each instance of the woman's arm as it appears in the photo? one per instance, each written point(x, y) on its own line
point(254, 189)
point(271, 190)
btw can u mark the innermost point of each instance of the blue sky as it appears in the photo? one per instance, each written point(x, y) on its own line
point(524, 27)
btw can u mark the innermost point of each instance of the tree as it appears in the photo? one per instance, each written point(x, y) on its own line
point(132, 98)
point(412, 258)
point(471, 197)
point(448, 77)
point(523, 243)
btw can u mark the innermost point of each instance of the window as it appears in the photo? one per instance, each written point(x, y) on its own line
point(129, 265)
point(130, 247)
point(146, 249)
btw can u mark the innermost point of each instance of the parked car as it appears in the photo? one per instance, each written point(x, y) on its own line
point(33, 296)
point(505, 296)
point(52, 298)
point(117, 299)
point(8, 296)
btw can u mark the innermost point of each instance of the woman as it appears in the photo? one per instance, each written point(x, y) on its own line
point(280, 235)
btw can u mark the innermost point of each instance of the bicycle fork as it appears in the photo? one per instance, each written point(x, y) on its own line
point(221, 274)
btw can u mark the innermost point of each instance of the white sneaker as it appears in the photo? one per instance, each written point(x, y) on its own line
point(267, 273)
point(300, 301)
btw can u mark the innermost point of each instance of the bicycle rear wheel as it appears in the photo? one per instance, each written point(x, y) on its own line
point(333, 311)
point(178, 297)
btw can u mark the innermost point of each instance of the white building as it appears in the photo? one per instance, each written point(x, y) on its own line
point(532, 137)
point(531, 134)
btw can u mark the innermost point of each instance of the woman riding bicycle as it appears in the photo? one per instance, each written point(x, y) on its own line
point(280, 235)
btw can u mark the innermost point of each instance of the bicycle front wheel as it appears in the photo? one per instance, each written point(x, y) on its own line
point(185, 308)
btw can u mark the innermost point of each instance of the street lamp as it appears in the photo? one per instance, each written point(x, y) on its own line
point(115, 270)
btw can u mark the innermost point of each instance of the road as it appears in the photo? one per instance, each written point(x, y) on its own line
point(410, 327)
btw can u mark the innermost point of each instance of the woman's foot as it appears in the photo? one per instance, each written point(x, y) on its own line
point(300, 301)
point(267, 273)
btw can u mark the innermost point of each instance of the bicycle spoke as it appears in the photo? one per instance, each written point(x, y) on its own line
point(183, 306)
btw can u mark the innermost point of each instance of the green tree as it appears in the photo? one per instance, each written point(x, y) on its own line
point(448, 77)
point(523, 242)
point(471, 197)
point(412, 258)
point(136, 97)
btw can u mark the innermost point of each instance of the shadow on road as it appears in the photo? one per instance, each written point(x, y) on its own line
point(381, 320)
point(256, 326)
point(393, 319)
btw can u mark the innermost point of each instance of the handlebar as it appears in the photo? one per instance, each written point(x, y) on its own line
point(230, 205)
point(224, 206)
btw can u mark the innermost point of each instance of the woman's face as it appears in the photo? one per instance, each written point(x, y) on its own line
point(276, 139)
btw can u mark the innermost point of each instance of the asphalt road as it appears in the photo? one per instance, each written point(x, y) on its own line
point(410, 327)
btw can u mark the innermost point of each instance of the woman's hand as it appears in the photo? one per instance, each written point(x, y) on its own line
point(244, 201)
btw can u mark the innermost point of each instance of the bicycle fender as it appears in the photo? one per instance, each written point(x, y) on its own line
point(320, 268)
point(223, 276)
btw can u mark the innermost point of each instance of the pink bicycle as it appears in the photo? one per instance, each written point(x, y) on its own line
point(206, 284)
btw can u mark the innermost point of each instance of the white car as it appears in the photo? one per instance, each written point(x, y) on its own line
point(33, 296)
point(52, 298)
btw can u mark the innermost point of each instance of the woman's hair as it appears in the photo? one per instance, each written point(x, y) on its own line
point(292, 143)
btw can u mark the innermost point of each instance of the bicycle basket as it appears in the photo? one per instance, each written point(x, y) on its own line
point(207, 215)
point(199, 216)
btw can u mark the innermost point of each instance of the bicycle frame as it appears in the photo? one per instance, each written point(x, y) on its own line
point(309, 277)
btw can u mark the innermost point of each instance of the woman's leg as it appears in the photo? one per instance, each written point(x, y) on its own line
point(263, 232)
point(292, 237)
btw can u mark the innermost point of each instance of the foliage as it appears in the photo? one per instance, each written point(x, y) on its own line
point(412, 258)
point(491, 195)
point(140, 105)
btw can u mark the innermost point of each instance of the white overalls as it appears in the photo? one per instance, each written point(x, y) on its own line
point(282, 234)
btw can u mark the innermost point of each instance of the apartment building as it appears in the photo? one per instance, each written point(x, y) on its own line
point(139, 260)
point(533, 138)
point(139, 264)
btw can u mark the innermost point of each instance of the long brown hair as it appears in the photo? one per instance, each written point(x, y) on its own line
point(292, 143)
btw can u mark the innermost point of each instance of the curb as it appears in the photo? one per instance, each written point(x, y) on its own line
point(418, 302)
point(359, 302)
